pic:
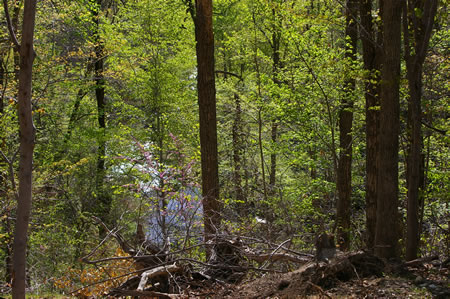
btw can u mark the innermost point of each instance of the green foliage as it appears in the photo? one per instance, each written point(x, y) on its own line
point(150, 72)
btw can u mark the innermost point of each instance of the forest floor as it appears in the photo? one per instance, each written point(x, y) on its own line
point(363, 277)
point(351, 275)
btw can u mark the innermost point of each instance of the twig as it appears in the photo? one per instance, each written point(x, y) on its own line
point(147, 294)
point(10, 163)
point(10, 27)
point(85, 258)
point(273, 252)
point(113, 278)
point(319, 289)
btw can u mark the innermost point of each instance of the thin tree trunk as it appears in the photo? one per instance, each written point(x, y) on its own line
point(237, 154)
point(261, 154)
point(27, 142)
point(276, 61)
point(344, 175)
point(207, 112)
point(371, 56)
point(103, 202)
point(273, 157)
point(260, 126)
point(387, 231)
point(3, 75)
point(417, 33)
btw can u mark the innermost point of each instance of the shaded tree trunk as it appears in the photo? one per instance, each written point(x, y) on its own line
point(207, 112)
point(276, 61)
point(344, 172)
point(418, 22)
point(371, 41)
point(387, 232)
point(27, 142)
point(103, 200)
point(237, 154)
point(3, 75)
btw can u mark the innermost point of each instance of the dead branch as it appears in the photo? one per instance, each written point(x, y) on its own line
point(420, 261)
point(319, 289)
point(163, 270)
point(147, 294)
point(275, 257)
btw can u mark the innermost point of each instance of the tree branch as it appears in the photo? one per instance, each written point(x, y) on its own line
point(10, 27)
point(229, 73)
point(443, 132)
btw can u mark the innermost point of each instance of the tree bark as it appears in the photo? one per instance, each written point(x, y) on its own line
point(371, 41)
point(344, 175)
point(387, 231)
point(103, 199)
point(237, 156)
point(207, 116)
point(276, 61)
point(3, 73)
point(27, 142)
point(418, 22)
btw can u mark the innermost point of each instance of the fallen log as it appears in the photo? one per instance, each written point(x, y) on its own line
point(158, 271)
point(148, 294)
point(276, 257)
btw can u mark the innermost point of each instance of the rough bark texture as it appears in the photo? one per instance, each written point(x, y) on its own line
point(387, 232)
point(417, 33)
point(344, 175)
point(207, 112)
point(27, 142)
point(371, 37)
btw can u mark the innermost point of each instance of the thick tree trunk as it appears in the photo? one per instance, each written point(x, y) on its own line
point(207, 112)
point(371, 56)
point(417, 33)
point(344, 175)
point(387, 231)
point(27, 142)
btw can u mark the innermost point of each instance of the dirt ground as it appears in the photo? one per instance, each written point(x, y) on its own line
point(354, 276)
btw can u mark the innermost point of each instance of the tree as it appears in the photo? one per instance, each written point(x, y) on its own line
point(103, 203)
point(27, 142)
point(371, 38)
point(207, 115)
point(418, 20)
point(344, 175)
point(387, 231)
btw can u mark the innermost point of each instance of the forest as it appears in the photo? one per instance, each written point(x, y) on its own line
point(224, 149)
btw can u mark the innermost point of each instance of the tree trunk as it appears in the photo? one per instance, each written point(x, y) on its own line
point(276, 39)
point(237, 154)
point(27, 142)
point(103, 202)
point(3, 74)
point(417, 33)
point(207, 112)
point(371, 56)
point(344, 175)
point(387, 232)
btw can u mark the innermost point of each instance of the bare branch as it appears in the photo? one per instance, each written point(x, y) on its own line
point(10, 26)
point(229, 73)
point(163, 270)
